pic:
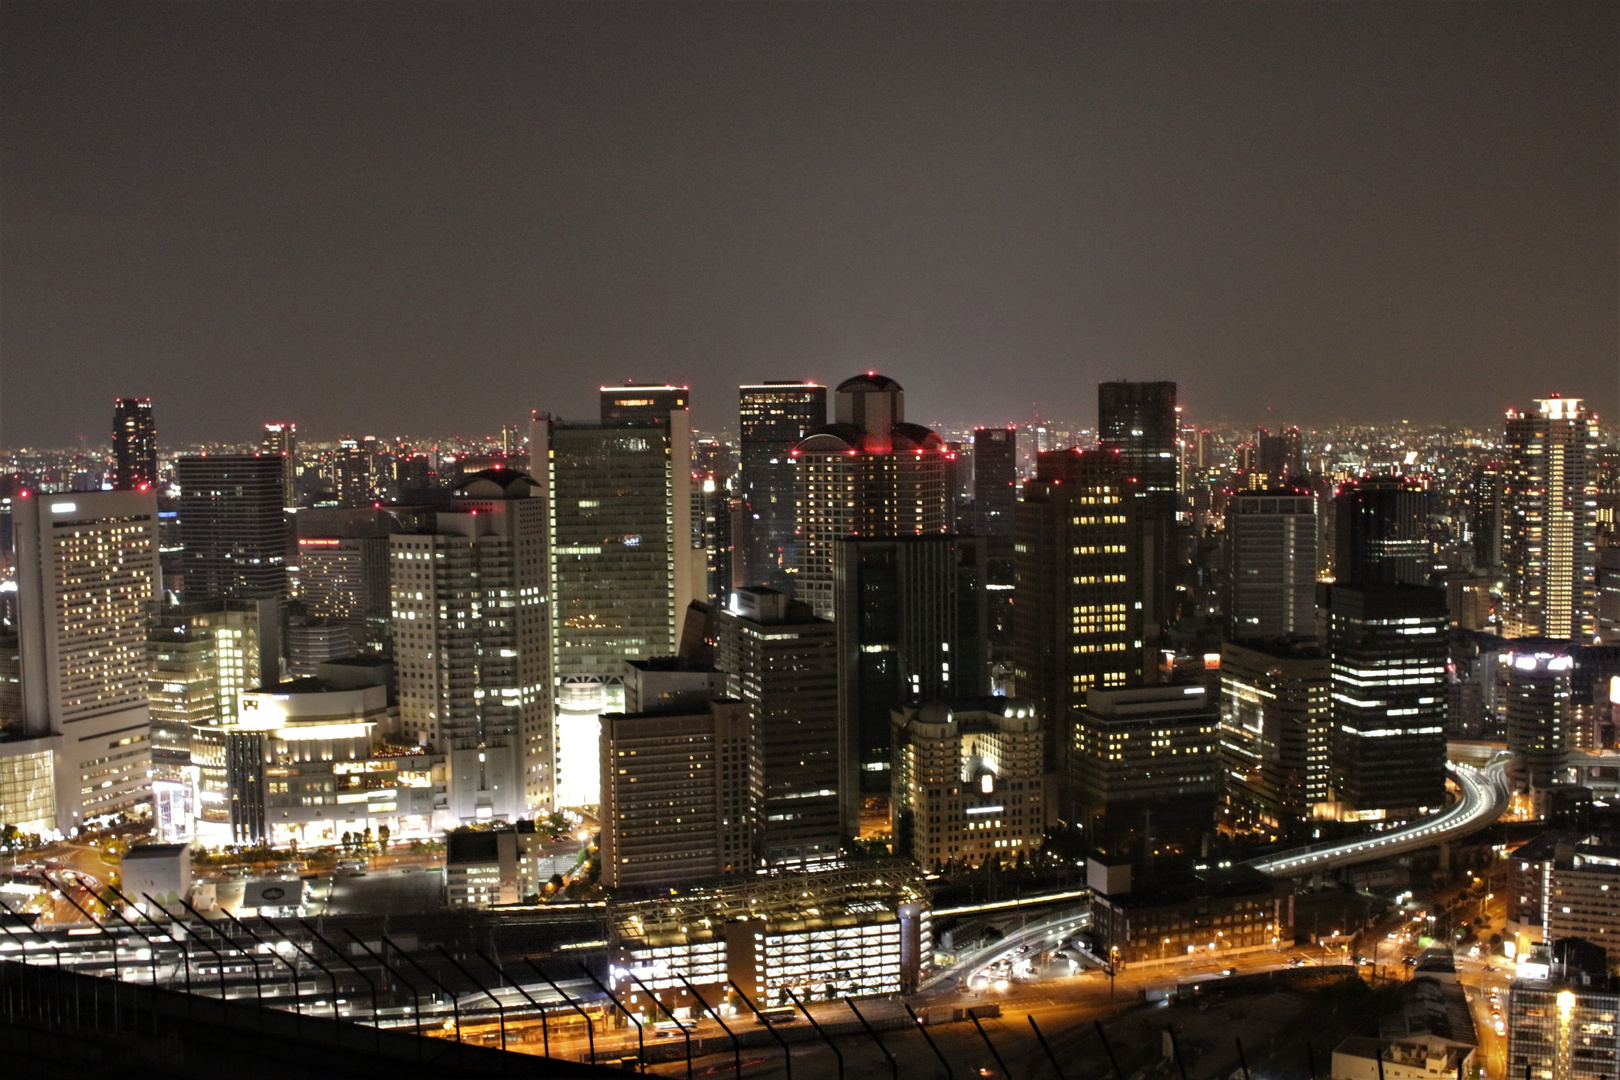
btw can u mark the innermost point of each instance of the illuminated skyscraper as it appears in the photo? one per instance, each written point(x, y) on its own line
point(869, 474)
point(1079, 627)
point(281, 440)
point(87, 569)
point(773, 417)
point(1274, 733)
point(1548, 541)
point(1140, 421)
point(1389, 653)
point(233, 528)
point(472, 644)
point(134, 445)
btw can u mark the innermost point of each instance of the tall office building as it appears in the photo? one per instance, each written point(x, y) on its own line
point(1485, 513)
point(134, 445)
point(680, 794)
point(1140, 420)
point(995, 482)
point(773, 418)
point(623, 566)
point(1079, 627)
point(1275, 716)
point(281, 440)
point(1271, 541)
point(358, 482)
point(87, 577)
point(1548, 541)
point(782, 662)
point(1281, 456)
point(911, 627)
point(472, 643)
point(868, 474)
point(202, 656)
point(1143, 770)
point(713, 511)
point(1381, 532)
point(233, 528)
point(1389, 653)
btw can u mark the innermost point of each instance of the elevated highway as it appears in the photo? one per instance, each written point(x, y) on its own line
point(1484, 798)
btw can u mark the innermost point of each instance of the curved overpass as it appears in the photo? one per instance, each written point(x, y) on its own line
point(1484, 797)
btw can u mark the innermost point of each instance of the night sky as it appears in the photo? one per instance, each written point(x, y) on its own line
point(417, 219)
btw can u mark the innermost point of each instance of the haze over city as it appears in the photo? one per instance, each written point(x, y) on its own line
point(428, 218)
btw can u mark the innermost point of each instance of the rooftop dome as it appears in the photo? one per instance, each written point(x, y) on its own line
point(495, 484)
point(871, 380)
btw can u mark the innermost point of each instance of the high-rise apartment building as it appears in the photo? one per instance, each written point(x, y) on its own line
point(1143, 770)
point(87, 577)
point(967, 781)
point(911, 627)
point(281, 440)
point(1140, 420)
point(773, 418)
point(1389, 653)
point(1537, 694)
point(233, 528)
point(868, 474)
point(134, 445)
point(782, 662)
point(681, 791)
point(1548, 536)
point(1274, 737)
point(472, 644)
point(1381, 532)
point(1078, 624)
point(1271, 541)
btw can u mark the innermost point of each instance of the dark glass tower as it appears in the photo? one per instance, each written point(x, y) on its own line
point(995, 481)
point(1381, 533)
point(773, 417)
point(1388, 648)
point(233, 530)
point(1139, 421)
point(911, 628)
point(134, 445)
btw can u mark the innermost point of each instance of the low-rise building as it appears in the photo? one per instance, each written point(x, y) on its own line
point(310, 760)
point(504, 865)
point(1175, 911)
point(1563, 885)
point(1422, 1057)
point(850, 932)
point(161, 871)
point(967, 781)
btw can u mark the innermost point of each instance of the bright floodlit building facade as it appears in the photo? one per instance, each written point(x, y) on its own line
point(1549, 540)
point(87, 567)
point(968, 781)
point(853, 932)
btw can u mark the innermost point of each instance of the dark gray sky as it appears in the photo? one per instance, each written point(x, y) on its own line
point(416, 218)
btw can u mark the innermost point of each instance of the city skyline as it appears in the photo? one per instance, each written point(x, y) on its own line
point(1312, 210)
